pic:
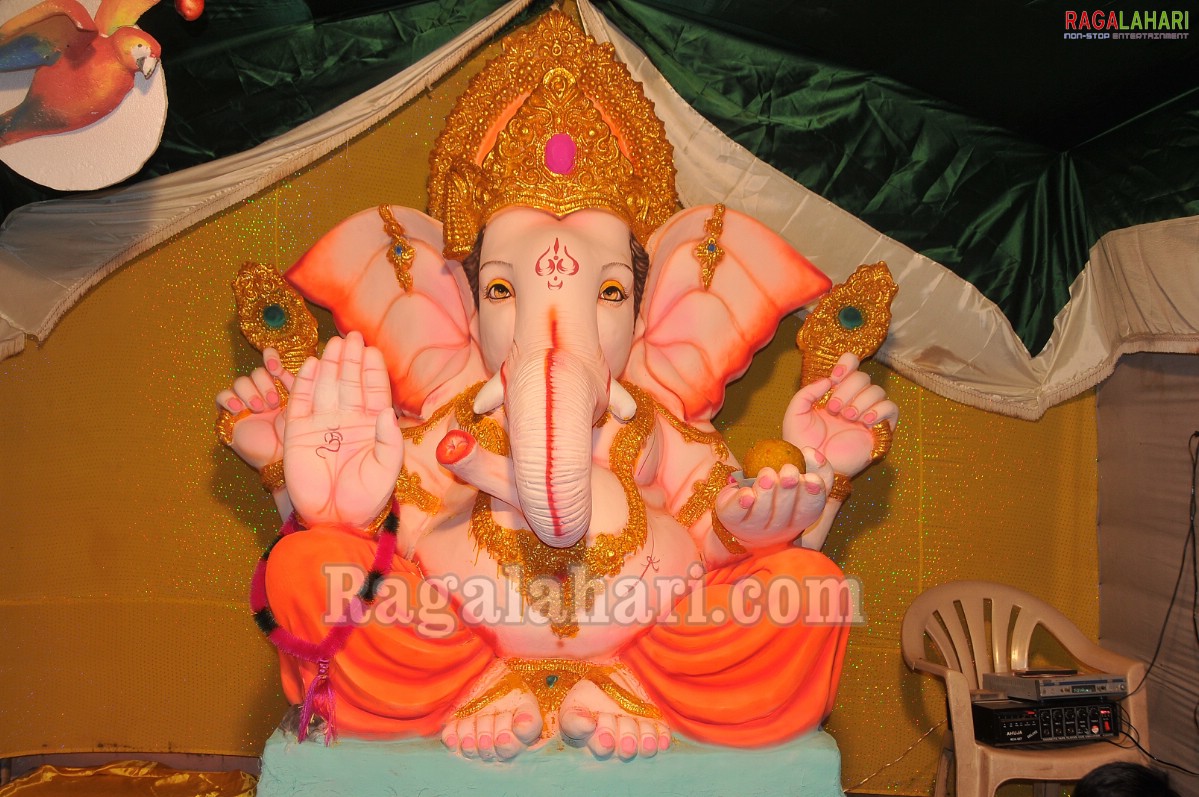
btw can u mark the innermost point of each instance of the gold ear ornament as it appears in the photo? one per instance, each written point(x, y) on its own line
point(400, 253)
point(708, 252)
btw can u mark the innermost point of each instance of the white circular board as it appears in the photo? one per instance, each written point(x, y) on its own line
point(104, 152)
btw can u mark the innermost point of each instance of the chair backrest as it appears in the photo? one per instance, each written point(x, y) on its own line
point(980, 627)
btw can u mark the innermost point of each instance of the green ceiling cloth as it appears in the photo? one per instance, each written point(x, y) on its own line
point(1013, 213)
point(1137, 293)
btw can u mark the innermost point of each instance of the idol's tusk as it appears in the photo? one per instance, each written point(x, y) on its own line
point(491, 395)
point(621, 404)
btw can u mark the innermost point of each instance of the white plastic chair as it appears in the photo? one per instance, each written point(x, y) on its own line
point(980, 627)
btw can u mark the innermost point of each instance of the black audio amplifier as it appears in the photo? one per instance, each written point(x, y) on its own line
point(1005, 723)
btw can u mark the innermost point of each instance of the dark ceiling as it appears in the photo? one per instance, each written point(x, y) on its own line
point(1004, 62)
point(1000, 61)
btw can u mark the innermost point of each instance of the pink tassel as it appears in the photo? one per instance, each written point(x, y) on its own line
point(320, 701)
point(335, 641)
point(292, 645)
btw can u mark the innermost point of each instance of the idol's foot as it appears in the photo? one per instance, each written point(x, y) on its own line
point(498, 730)
point(591, 717)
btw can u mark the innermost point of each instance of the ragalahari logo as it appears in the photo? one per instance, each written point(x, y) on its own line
point(1139, 25)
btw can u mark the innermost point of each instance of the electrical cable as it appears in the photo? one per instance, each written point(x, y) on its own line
point(901, 757)
point(1133, 735)
point(1188, 545)
point(1193, 448)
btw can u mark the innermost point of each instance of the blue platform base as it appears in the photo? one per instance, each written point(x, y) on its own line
point(807, 767)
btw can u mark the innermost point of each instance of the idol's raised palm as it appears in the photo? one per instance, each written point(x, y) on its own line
point(342, 446)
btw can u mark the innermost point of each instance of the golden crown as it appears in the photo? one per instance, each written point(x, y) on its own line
point(553, 123)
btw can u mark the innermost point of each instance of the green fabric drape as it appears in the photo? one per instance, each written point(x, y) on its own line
point(1011, 214)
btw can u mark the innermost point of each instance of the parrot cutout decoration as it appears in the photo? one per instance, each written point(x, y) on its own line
point(82, 100)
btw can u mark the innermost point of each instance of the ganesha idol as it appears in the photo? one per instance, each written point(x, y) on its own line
point(509, 518)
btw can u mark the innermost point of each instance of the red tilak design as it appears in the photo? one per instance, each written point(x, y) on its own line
point(548, 263)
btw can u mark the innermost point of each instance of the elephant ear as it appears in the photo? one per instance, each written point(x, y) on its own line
point(693, 340)
point(425, 330)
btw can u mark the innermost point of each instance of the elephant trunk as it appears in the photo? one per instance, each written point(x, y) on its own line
point(553, 398)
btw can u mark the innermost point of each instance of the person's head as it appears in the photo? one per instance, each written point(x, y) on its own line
point(1124, 780)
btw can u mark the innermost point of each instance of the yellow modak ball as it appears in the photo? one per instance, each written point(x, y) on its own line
point(772, 453)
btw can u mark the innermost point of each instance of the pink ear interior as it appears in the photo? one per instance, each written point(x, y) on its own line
point(697, 340)
point(425, 333)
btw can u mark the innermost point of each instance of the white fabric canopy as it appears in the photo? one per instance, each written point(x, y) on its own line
point(1137, 293)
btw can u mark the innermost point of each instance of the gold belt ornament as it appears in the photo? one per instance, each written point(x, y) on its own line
point(550, 680)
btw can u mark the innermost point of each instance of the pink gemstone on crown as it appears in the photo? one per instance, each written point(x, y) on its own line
point(560, 153)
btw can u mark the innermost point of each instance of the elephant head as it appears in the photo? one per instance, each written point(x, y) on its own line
point(555, 321)
point(547, 311)
point(556, 154)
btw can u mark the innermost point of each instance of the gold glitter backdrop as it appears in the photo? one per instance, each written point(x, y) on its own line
point(129, 535)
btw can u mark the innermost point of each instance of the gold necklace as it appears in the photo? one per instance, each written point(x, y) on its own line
point(538, 568)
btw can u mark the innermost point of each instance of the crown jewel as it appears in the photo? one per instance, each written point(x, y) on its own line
point(553, 123)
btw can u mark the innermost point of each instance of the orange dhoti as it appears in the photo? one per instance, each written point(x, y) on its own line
point(751, 659)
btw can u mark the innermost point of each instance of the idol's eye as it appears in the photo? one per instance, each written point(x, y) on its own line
point(613, 291)
point(498, 290)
